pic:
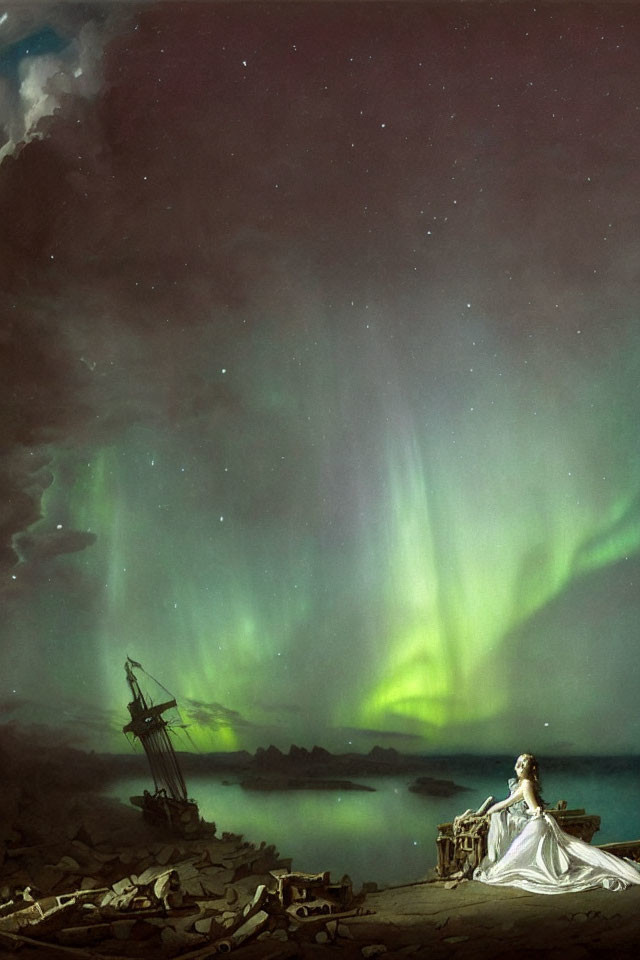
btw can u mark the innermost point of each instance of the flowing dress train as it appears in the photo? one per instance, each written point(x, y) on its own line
point(530, 851)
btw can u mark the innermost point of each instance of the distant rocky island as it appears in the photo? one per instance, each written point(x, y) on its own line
point(318, 769)
point(436, 788)
point(271, 769)
point(300, 783)
point(317, 762)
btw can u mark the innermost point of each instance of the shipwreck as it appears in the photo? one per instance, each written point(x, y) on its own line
point(169, 803)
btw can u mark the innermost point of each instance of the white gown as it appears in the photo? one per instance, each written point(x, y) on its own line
point(530, 851)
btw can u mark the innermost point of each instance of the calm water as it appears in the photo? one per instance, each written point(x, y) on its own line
point(388, 836)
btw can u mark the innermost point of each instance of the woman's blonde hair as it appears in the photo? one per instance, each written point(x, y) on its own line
point(531, 770)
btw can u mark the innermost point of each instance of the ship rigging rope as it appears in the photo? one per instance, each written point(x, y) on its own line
point(157, 743)
point(164, 767)
point(168, 692)
point(170, 723)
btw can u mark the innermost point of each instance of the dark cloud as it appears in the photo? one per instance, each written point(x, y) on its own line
point(86, 724)
point(37, 548)
point(50, 53)
point(39, 407)
point(284, 708)
point(65, 722)
point(213, 715)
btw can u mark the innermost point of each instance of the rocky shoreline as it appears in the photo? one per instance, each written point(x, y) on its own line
point(99, 888)
point(109, 884)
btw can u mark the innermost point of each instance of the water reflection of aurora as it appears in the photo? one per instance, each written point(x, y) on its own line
point(387, 836)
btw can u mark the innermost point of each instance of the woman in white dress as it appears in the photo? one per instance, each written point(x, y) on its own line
point(526, 848)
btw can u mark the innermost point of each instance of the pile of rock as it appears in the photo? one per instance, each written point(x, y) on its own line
point(166, 898)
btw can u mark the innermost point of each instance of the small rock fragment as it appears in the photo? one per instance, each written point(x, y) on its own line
point(89, 883)
point(103, 857)
point(120, 886)
point(257, 900)
point(168, 891)
point(250, 927)
point(203, 925)
point(374, 950)
point(166, 854)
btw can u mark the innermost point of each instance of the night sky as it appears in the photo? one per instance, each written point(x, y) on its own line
point(319, 370)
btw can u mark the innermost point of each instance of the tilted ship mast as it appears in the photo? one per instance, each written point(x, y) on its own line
point(170, 801)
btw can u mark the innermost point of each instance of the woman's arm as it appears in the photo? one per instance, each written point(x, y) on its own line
point(503, 804)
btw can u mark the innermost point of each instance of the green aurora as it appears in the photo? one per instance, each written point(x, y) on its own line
point(376, 552)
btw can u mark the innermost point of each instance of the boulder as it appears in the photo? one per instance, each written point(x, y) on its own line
point(250, 927)
point(166, 854)
point(214, 881)
point(89, 883)
point(260, 896)
point(122, 886)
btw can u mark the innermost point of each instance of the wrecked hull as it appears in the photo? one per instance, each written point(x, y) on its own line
point(169, 804)
point(181, 816)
